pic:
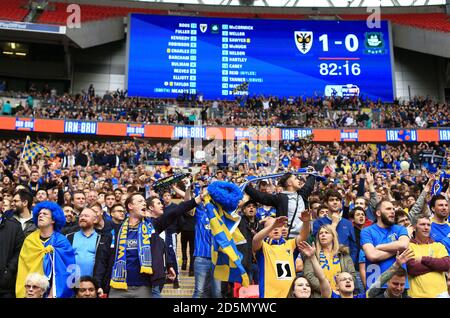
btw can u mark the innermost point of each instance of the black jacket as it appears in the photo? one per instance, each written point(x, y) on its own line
point(102, 257)
point(11, 240)
point(248, 230)
point(189, 223)
point(30, 227)
point(280, 200)
point(171, 215)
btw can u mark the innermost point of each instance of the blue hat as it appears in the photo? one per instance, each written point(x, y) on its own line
point(57, 214)
point(227, 194)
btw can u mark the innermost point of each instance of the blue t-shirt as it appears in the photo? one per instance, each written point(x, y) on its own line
point(134, 276)
point(441, 233)
point(203, 236)
point(377, 235)
point(84, 248)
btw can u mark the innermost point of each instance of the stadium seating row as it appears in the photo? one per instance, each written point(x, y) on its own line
point(12, 10)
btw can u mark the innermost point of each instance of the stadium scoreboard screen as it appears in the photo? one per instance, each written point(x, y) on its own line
point(223, 58)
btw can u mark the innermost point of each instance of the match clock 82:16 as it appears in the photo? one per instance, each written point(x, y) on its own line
point(335, 69)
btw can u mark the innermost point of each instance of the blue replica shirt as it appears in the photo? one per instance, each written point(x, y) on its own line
point(262, 213)
point(84, 248)
point(134, 276)
point(203, 236)
point(441, 233)
point(345, 232)
point(377, 235)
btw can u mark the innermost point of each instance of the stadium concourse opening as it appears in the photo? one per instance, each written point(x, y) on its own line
point(224, 150)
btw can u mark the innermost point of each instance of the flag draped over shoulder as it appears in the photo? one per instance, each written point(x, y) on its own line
point(32, 149)
point(51, 259)
point(226, 259)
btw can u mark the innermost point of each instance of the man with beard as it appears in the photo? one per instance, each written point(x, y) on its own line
point(21, 204)
point(89, 246)
point(440, 227)
point(381, 242)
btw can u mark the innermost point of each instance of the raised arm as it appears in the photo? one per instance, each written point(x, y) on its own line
point(417, 208)
point(324, 284)
point(261, 235)
point(26, 166)
point(305, 217)
point(166, 219)
point(178, 191)
point(260, 197)
point(306, 190)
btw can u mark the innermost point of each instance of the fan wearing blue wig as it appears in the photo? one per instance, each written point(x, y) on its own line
point(46, 251)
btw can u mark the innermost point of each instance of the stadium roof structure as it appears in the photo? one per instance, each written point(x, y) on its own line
point(307, 3)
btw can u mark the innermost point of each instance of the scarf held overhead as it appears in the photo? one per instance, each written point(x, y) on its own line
point(119, 273)
point(53, 259)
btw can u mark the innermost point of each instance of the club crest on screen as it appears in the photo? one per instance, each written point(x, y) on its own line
point(303, 40)
point(203, 27)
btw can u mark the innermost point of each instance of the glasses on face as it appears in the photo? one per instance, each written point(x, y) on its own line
point(120, 211)
point(34, 287)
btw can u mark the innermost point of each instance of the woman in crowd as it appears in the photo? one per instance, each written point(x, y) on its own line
point(332, 258)
point(36, 285)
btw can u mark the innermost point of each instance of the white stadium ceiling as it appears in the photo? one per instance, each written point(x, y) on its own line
point(307, 3)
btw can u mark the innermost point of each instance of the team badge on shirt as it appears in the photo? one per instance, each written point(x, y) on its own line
point(283, 270)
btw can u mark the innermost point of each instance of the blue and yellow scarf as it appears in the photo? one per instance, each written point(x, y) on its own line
point(119, 273)
point(330, 267)
point(270, 241)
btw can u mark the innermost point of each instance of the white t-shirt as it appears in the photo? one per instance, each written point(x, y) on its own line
point(23, 221)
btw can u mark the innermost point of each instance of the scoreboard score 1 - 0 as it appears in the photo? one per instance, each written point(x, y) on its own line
point(223, 58)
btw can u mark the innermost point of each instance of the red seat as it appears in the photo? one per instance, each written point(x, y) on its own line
point(432, 21)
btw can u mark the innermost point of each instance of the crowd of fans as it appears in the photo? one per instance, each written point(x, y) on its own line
point(368, 224)
point(316, 112)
